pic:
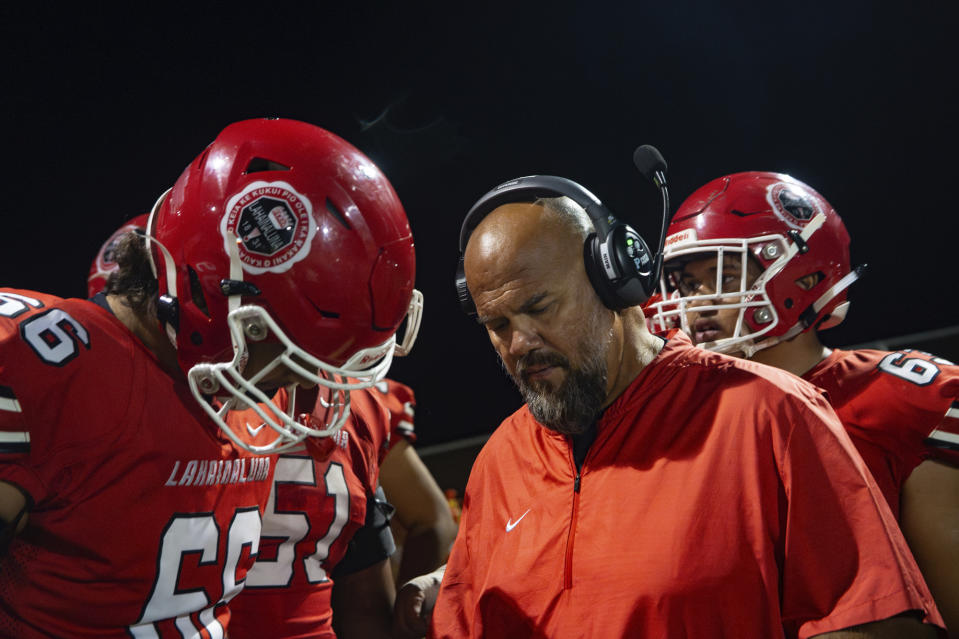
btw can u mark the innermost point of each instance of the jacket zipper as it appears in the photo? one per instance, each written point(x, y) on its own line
point(568, 570)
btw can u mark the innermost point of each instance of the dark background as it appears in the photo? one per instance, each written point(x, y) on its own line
point(102, 109)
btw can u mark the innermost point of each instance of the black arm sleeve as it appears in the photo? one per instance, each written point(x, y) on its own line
point(373, 542)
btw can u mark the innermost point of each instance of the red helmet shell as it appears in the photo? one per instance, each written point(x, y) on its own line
point(316, 226)
point(754, 204)
point(105, 261)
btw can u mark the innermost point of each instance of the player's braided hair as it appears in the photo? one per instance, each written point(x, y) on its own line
point(133, 280)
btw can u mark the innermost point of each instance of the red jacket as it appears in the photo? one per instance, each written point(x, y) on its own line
point(721, 498)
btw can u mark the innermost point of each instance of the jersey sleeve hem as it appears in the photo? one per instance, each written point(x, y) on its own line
point(28, 483)
point(885, 607)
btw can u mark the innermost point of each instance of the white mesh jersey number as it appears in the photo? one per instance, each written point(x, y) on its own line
point(13, 304)
point(197, 533)
point(55, 336)
point(293, 526)
point(918, 370)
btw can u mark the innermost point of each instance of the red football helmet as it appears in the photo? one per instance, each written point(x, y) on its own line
point(105, 262)
point(789, 230)
point(657, 319)
point(282, 232)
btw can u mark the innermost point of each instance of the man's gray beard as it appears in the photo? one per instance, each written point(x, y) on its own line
point(576, 404)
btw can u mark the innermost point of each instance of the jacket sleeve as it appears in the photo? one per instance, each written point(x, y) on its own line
point(844, 560)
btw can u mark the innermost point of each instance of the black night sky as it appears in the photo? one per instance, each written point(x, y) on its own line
point(103, 109)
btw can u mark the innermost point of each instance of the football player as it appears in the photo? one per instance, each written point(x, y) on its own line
point(323, 565)
point(326, 501)
point(756, 264)
point(129, 499)
point(323, 569)
point(423, 523)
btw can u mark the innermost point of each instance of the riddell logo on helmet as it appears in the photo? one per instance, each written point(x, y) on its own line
point(681, 237)
point(791, 205)
point(273, 223)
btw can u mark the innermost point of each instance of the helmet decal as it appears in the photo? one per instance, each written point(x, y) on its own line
point(791, 205)
point(273, 224)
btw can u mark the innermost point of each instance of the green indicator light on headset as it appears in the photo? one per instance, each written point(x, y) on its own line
point(629, 241)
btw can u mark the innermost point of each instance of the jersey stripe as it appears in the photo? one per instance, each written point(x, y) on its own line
point(943, 439)
point(8, 401)
point(14, 442)
point(953, 410)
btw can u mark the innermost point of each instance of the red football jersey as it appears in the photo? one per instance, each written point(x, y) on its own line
point(898, 407)
point(401, 403)
point(145, 519)
point(720, 498)
point(314, 510)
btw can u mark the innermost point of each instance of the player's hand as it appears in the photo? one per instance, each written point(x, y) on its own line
point(414, 605)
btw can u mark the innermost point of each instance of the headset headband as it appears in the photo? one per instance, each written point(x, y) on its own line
point(530, 188)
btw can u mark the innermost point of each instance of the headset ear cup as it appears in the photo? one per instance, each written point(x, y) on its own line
point(463, 291)
point(628, 255)
point(640, 267)
point(593, 261)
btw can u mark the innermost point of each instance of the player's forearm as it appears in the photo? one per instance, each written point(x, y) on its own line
point(363, 603)
point(930, 522)
point(425, 549)
point(13, 513)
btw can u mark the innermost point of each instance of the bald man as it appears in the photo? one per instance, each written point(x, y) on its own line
point(649, 488)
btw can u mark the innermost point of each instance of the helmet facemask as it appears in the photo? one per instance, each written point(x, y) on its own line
point(756, 315)
point(226, 381)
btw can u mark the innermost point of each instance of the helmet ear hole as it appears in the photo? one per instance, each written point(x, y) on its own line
point(808, 282)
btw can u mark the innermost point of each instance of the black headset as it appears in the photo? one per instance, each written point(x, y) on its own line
point(619, 264)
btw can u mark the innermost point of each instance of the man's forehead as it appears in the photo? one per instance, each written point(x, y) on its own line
point(512, 286)
point(542, 254)
point(509, 302)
